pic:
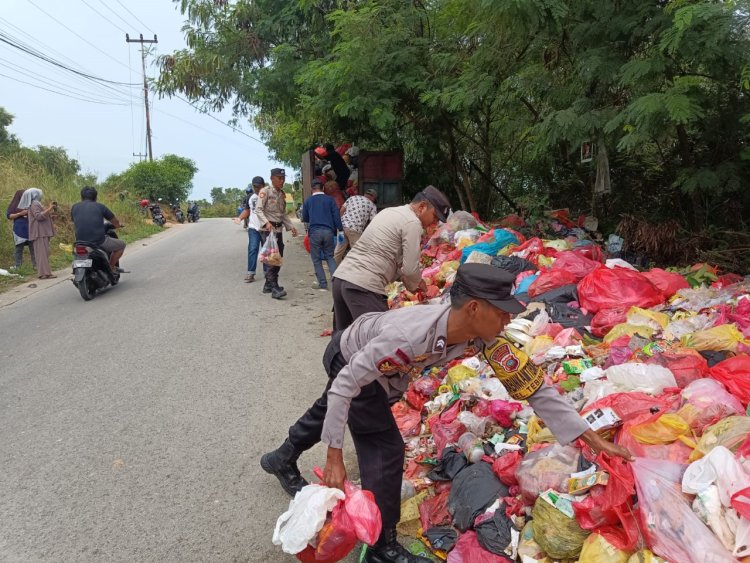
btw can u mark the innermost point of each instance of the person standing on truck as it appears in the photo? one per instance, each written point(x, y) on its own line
point(340, 168)
point(388, 250)
point(271, 210)
point(356, 214)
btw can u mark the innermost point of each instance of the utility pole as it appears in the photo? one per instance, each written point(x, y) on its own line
point(143, 41)
point(140, 156)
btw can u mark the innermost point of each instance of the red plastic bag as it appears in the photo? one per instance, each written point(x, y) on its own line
point(734, 373)
point(468, 550)
point(590, 251)
point(630, 405)
point(606, 288)
point(574, 262)
point(444, 434)
point(505, 468)
point(551, 279)
point(415, 399)
point(306, 242)
point(608, 510)
point(686, 365)
point(668, 283)
point(606, 319)
point(408, 420)
point(434, 510)
point(337, 537)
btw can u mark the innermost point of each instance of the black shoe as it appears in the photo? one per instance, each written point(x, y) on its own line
point(267, 287)
point(282, 463)
point(388, 550)
point(277, 293)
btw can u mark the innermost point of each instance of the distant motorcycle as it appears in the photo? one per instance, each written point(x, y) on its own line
point(156, 214)
point(193, 213)
point(91, 271)
point(178, 214)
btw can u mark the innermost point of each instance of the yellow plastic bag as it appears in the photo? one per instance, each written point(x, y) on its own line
point(598, 550)
point(625, 329)
point(539, 345)
point(558, 535)
point(538, 433)
point(644, 317)
point(559, 244)
point(409, 523)
point(730, 433)
point(717, 339)
point(665, 430)
point(458, 373)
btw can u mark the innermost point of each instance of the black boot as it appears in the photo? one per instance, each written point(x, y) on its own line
point(388, 550)
point(277, 292)
point(267, 287)
point(282, 463)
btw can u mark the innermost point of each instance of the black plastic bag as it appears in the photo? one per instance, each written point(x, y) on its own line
point(474, 489)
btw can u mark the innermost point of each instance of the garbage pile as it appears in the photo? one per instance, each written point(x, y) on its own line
point(656, 361)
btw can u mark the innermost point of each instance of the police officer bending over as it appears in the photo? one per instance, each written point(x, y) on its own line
point(369, 367)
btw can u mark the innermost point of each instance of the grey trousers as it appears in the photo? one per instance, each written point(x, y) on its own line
point(18, 253)
point(350, 301)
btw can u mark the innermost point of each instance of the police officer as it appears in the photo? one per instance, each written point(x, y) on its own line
point(272, 215)
point(388, 250)
point(369, 367)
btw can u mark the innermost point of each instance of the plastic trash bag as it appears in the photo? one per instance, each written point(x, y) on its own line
point(548, 468)
point(664, 430)
point(640, 377)
point(549, 280)
point(730, 433)
point(499, 240)
point(433, 511)
point(364, 514)
point(472, 422)
point(337, 537)
point(504, 412)
point(472, 491)
point(626, 329)
point(646, 317)
point(686, 365)
point(558, 535)
point(576, 263)
point(444, 434)
point(720, 469)
point(718, 338)
point(468, 550)
point(596, 549)
point(505, 468)
point(270, 253)
point(305, 517)
point(606, 288)
point(606, 319)
point(408, 420)
point(706, 403)
point(668, 283)
point(670, 527)
point(677, 452)
point(734, 373)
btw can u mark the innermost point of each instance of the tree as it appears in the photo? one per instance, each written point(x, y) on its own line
point(8, 141)
point(169, 178)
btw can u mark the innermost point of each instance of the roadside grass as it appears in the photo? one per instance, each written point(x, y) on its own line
point(17, 174)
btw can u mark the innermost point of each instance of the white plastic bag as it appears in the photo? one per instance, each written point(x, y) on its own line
point(719, 467)
point(305, 517)
point(641, 377)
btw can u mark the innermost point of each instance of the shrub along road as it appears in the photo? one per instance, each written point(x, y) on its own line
point(133, 424)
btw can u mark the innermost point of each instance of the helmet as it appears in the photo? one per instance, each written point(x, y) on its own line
point(248, 189)
point(144, 203)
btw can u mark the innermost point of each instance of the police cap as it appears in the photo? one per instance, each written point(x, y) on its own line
point(278, 172)
point(438, 200)
point(489, 283)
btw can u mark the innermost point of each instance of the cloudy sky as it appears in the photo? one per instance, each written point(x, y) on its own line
point(106, 126)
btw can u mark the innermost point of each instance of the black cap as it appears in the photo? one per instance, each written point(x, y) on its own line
point(258, 181)
point(490, 283)
point(278, 172)
point(438, 200)
point(317, 183)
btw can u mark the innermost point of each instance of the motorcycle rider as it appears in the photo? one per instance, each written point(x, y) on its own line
point(88, 217)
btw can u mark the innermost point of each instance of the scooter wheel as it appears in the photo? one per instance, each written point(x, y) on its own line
point(86, 290)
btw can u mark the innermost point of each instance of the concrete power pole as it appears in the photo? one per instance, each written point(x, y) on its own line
point(143, 41)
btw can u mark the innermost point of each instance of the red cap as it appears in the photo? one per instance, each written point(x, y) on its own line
point(321, 152)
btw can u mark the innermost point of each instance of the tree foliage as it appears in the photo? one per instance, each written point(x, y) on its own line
point(169, 178)
point(486, 97)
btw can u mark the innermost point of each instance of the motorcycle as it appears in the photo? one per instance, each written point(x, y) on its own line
point(193, 213)
point(178, 214)
point(91, 271)
point(156, 215)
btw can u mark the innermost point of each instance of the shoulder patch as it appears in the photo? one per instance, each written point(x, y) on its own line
point(505, 357)
point(387, 365)
point(403, 356)
point(439, 344)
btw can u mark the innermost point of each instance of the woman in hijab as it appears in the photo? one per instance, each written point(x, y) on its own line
point(40, 229)
point(20, 229)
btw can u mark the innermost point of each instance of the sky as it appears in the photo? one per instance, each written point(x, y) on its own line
point(89, 35)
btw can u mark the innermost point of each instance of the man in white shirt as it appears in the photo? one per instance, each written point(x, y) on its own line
point(253, 228)
point(356, 214)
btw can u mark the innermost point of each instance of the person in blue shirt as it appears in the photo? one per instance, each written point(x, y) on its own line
point(20, 230)
point(322, 216)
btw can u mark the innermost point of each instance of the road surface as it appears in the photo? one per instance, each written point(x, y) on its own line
point(132, 425)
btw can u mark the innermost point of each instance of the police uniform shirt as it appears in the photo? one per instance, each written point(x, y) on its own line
point(390, 347)
point(389, 249)
point(271, 207)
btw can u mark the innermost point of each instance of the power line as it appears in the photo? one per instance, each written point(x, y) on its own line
point(103, 16)
point(76, 34)
point(123, 20)
point(136, 17)
point(60, 93)
point(232, 127)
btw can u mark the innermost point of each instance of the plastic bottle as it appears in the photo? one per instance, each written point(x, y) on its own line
point(471, 446)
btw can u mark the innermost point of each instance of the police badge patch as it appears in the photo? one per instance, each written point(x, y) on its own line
point(388, 365)
point(505, 358)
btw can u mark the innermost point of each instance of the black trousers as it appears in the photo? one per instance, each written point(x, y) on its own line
point(350, 301)
point(377, 440)
point(272, 272)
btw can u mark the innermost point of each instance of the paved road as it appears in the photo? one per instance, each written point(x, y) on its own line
point(132, 425)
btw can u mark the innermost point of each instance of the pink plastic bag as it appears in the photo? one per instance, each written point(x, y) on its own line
point(706, 403)
point(468, 550)
point(606, 288)
point(408, 420)
point(671, 528)
point(444, 434)
point(503, 411)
